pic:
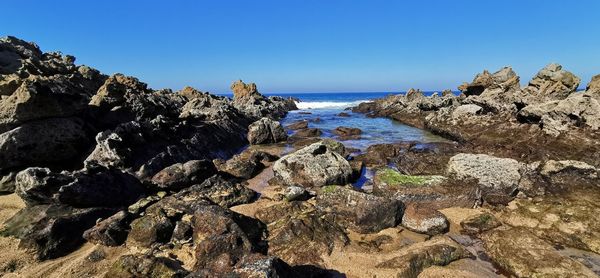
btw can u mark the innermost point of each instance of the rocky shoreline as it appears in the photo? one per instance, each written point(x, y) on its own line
point(113, 179)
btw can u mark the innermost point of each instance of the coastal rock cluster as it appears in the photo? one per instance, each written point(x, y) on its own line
point(157, 183)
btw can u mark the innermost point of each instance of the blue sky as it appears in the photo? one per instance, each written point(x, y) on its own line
point(313, 45)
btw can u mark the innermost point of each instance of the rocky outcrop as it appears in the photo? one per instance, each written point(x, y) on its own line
point(551, 83)
point(313, 166)
point(247, 99)
point(266, 131)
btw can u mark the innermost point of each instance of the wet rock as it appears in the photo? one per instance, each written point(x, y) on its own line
point(299, 234)
point(111, 231)
point(425, 220)
point(7, 183)
point(524, 255)
point(479, 223)
point(496, 176)
point(415, 258)
point(149, 229)
point(378, 154)
point(313, 166)
point(44, 143)
point(181, 175)
point(308, 132)
point(347, 132)
point(357, 168)
point(224, 192)
point(266, 131)
point(294, 193)
point(359, 211)
point(130, 266)
point(343, 114)
point(52, 230)
point(298, 125)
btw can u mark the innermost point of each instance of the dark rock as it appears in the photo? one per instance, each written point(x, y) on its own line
point(359, 211)
point(7, 183)
point(130, 266)
point(149, 229)
point(111, 231)
point(298, 125)
point(37, 185)
point(347, 133)
point(52, 230)
point(343, 114)
point(246, 164)
point(178, 176)
point(266, 131)
point(225, 193)
point(479, 223)
point(308, 132)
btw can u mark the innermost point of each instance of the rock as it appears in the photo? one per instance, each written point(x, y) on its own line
point(37, 185)
point(299, 234)
point(479, 223)
point(51, 142)
point(266, 131)
point(178, 176)
point(223, 237)
point(551, 83)
point(347, 132)
point(387, 177)
point(294, 193)
point(466, 110)
point(225, 193)
point(357, 169)
point(343, 114)
point(440, 251)
point(7, 183)
point(313, 166)
point(496, 176)
point(553, 167)
point(150, 229)
point(594, 86)
point(520, 253)
point(247, 99)
point(504, 79)
point(425, 220)
point(111, 231)
point(378, 154)
point(334, 146)
point(52, 230)
point(130, 266)
point(359, 211)
point(308, 132)
point(246, 164)
point(298, 125)
point(257, 265)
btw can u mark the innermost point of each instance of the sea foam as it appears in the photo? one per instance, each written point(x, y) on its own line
point(327, 104)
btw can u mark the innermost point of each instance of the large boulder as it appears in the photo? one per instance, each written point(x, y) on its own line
point(498, 177)
point(359, 211)
point(313, 166)
point(266, 131)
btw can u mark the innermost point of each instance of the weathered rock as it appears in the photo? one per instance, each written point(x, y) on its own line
point(347, 131)
point(298, 125)
point(479, 223)
point(266, 131)
point(524, 255)
point(295, 193)
point(111, 231)
point(594, 86)
point(553, 167)
point(299, 234)
point(247, 99)
point(178, 176)
point(424, 219)
point(551, 82)
point(504, 79)
point(246, 164)
point(225, 193)
point(149, 229)
point(7, 183)
point(130, 266)
point(37, 185)
point(359, 211)
point(313, 166)
point(438, 251)
point(466, 110)
point(496, 176)
point(44, 143)
point(52, 230)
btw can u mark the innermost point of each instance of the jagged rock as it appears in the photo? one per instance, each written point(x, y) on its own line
point(256, 265)
point(359, 211)
point(225, 193)
point(111, 231)
point(246, 164)
point(52, 230)
point(7, 183)
point(524, 255)
point(553, 167)
point(266, 131)
point(496, 176)
point(308, 132)
point(37, 185)
point(298, 125)
point(424, 219)
point(299, 234)
point(594, 86)
point(504, 79)
point(551, 83)
point(466, 110)
point(247, 99)
point(479, 223)
point(440, 251)
point(44, 143)
point(154, 227)
point(313, 166)
point(178, 176)
point(130, 266)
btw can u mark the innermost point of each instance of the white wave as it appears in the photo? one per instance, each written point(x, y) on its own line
point(327, 104)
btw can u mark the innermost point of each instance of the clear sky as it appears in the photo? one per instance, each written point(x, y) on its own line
point(313, 45)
